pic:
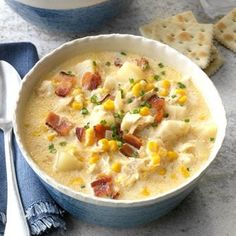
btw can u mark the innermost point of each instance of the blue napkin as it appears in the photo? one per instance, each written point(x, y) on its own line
point(41, 211)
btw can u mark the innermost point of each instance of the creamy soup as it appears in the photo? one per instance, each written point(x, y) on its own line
point(118, 125)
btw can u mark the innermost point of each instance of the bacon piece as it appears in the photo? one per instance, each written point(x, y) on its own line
point(118, 62)
point(159, 105)
point(91, 81)
point(103, 187)
point(65, 83)
point(100, 131)
point(127, 150)
point(61, 125)
point(143, 63)
point(80, 133)
point(133, 140)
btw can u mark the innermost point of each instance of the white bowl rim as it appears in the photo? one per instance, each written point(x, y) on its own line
point(60, 4)
point(110, 202)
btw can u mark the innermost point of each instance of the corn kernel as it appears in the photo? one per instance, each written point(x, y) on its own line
point(180, 92)
point(152, 146)
point(89, 137)
point(108, 105)
point(145, 191)
point(144, 111)
point(182, 100)
point(202, 116)
point(116, 167)
point(40, 130)
point(162, 171)
point(166, 84)
point(77, 181)
point(184, 171)
point(113, 145)
point(51, 137)
point(149, 87)
point(164, 92)
point(94, 158)
point(76, 91)
point(76, 105)
point(162, 152)
point(173, 176)
point(137, 89)
point(156, 159)
point(104, 144)
point(172, 155)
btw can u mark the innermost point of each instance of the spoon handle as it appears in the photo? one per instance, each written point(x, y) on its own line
point(16, 220)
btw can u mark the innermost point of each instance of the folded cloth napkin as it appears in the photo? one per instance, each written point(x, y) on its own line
point(41, 211)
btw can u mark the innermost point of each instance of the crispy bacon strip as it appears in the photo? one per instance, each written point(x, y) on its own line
point(100, 131)
point(133, 140)
point(143, 63)
point(61, 125)
point(65, 83)
point(159, 105)
point(103, 187)
point(91, 81)
point(127, 150)
point(80, 133)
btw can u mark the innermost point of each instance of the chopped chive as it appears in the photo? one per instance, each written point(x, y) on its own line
point(119, 144)
point(63, 143)
point(84, 111)
point(135, 154)
point(181, 85)
point(131, 80)
point(103, 122)
point(166, 115)
point(174, 96)
point(142, 93)
point(154, 124)
point(108, 63)
point(187, 120)
point(123, 53)
point(122, 93)
point(93, 99)
point(156, 77)
point(163, 72)
point(145, 104)
point(69, 72)
point(160, 65)
point(136, 111)
point(86, 126)
point(51, 148)
point(129, 100)
point(212, 139)
point(94, 63)
point(188, 169)
point(156, 89)
point(82, 186)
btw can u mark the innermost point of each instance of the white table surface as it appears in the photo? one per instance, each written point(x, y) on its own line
point(210, 210)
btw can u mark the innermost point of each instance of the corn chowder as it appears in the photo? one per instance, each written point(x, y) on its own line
point(117, 125)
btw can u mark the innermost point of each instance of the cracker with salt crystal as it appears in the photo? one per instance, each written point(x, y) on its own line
point(187, 17)
point(192, 39)
point(225, 30)
point(214, 65)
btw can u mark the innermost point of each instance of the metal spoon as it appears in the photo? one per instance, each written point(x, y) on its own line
point(9, 86)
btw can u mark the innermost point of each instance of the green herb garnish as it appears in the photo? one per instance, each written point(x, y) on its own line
point(135, 154)
point(129, 100)
point(119, 144)
point(174, 96)
point(131, 80)
point(142, 93)
point(94, 63)
point(63, 143)
point(187, 120)
point(212, 139)
point(84, 111)
point(82, 186)
point(154, 124)
point(122, 93)
point(156, 77)
point(123, 53)
point(103, 122)
point(118, 115)
point(108, 63)
point(86, 126)
point(166, 115)
point(145, 104)
point(135, 111)
point(156, 89)
point(163, 72)
point(181, 85)
point(160, 65)
point(94, 99)
point(51, 148)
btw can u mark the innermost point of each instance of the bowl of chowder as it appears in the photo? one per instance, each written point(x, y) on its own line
point(118, 128)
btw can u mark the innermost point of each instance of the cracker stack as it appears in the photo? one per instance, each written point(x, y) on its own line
point(185, 34)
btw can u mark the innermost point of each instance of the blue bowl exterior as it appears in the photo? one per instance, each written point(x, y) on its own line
point(78, 20)
point(118, 217)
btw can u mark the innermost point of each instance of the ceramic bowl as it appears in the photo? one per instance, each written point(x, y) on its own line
point(68, 15)
point(108, 212)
